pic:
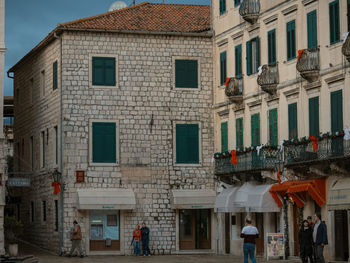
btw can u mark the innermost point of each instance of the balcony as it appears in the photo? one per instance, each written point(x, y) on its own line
point(250, 160)
point(269, 79)
point(250, 10)
point(234, 90)
point(308, 64)
point(346, 47)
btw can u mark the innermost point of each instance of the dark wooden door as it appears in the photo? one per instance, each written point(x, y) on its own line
point(259, 219)
point(203, 229)
point(341, 235)
point(227, 233)
point(187, 227)
point(296, 226)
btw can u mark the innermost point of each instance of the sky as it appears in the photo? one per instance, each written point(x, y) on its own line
point(27, 22)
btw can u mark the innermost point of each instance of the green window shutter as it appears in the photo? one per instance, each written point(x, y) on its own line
point(293, 121)
point(314, 129)
point(291, 45)
point(223, 69)
point(337, 111)
point(257, 39)
point(249, 57)
point(237, 2)
point(271, 38)
point(109, 71)
point(104, 142)
point(54, 75)
point(273, 127)
point(312, 29)
point(222, 6)
point(238, 61)
point(348, 15)
point(334, 22)
point(255, 129)
point(224, 137)
point(103, 71)
point(239, 133)
point(186, 73)
point(187, 143)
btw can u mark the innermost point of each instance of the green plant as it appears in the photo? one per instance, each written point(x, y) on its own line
point(13, 228)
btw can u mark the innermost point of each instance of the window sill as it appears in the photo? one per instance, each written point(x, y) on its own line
point(187, 89)
point(104, 87)
point(290, 61)
point(221, 86)
point(335, 45)
point(104, 164)
point(188, 164)
point(221, 15)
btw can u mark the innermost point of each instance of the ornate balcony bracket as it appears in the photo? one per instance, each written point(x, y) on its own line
point(346, 47)
point(234, 90)
point(269, 79)
point(308, 64)
point(250, 10)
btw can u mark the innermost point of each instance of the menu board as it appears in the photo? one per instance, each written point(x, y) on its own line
point(275, 245)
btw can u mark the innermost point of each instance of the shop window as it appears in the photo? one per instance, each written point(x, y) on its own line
point(112, 220)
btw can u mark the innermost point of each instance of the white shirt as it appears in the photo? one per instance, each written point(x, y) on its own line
point(314, 234)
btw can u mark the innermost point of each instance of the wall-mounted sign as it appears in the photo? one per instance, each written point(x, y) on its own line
point(80, 176)
point(18, 182)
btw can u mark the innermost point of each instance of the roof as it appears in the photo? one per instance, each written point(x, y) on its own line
point(149, 17)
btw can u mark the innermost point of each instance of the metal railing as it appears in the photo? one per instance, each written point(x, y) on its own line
point(269, 78)
point(250, 10)
point(346, 48)
point(234, 89)
point(308, 64)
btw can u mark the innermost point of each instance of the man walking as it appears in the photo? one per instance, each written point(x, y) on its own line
point(319, 238)
point(76, 239)
point(249, 233)
point(145, 240)
point(136, 236)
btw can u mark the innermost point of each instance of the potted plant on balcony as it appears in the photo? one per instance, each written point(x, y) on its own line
point(13, 230)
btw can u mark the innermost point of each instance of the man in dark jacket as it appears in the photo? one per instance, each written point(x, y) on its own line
point(319, 237)
point(145, 240)
point(305, 242)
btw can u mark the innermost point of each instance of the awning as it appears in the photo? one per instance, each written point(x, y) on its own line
point(224, 201)
point(241, 197)
point(261, 201)
point(339, 195)
point(104, 199)
point(297, 191)
point(192, 199)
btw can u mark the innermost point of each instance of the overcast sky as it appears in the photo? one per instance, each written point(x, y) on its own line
point(29, 21)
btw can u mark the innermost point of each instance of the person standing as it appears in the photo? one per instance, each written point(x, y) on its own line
point(249, 233)
point(319, 238)
point(305, 242)
point(136, 237)
point(145, 240)
point(76, 240)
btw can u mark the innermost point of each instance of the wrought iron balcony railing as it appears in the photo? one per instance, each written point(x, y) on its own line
point(250, 10)
point(249, 161)
point(234, 90)
point(308, 64)
point(346, 47)
point(269, 78)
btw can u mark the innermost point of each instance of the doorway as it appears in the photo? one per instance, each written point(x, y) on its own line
point(341, 235)
point(195, 229)
point(296, 226)
point(259, 219)
point(227, 233)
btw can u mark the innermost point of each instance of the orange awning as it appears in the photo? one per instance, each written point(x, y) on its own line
point(296, 190)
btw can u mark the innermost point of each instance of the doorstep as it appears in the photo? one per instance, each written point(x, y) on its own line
point(105, 253)
point(193, 252)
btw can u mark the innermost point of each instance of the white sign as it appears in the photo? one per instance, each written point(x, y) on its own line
point(18, 182)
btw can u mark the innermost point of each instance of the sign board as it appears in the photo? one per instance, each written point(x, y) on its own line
point(18, 182)
point(275, 245)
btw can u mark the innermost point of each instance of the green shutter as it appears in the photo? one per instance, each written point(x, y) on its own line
point(249, 57)
point(257, 40)
point(237, 2)
point(103, 71)
point(109, 71)
point(223, 68)
point(238, 61)
point(334, 22)
point(348, 15)
point(224, 137)
point(187, 143)
point(273, 127)
point(337, 111)
point(239, 133)
point(255, 129)
point(186, 73)
point(54, 75)
point(293, 121)
point(104, 142)
point(312, 29)
point(291, 45)
point(314, 129)
point(222, 6)
point(271, 38)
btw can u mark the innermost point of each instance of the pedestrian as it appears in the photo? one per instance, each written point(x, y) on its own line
point(249, 233)
point(145, 240)
point(305, 242)
point(319, 237)
point(136, 237)
point(76, 240)
point(309, 220)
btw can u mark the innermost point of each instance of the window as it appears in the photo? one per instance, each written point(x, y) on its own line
point(238, 61)
point(56, 145)
point(314, 117)
point(103, 71)
point(18, 213)
point(112, 220)
point(237, 2)
point(222, 6)
point(271, 45)
point(54, 75)
point(42, 83)
point(224, 137)
point(187, 143)
point(44, 211)
point(291, 44)
point(273, 127)
point(223, 68)
point(293, 121)
point(312, 29)
point(32, 211)
point(255, 129)
point(104, 142)
point(186, 73)
point(32, 152)
point(239, 133)
point(337, 111)
point(334, 22)
point(253, 55)
point(56, 215)
point(42, 149)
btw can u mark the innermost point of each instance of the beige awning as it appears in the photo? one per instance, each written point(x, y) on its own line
point(106, 199)
point(224, 201)
point(339, 195)
point(192, 199)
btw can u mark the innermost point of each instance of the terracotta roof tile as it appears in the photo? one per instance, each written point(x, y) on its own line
point(149, 17)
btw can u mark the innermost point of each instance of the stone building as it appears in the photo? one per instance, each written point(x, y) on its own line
point(119, 104)
point(282, 74)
